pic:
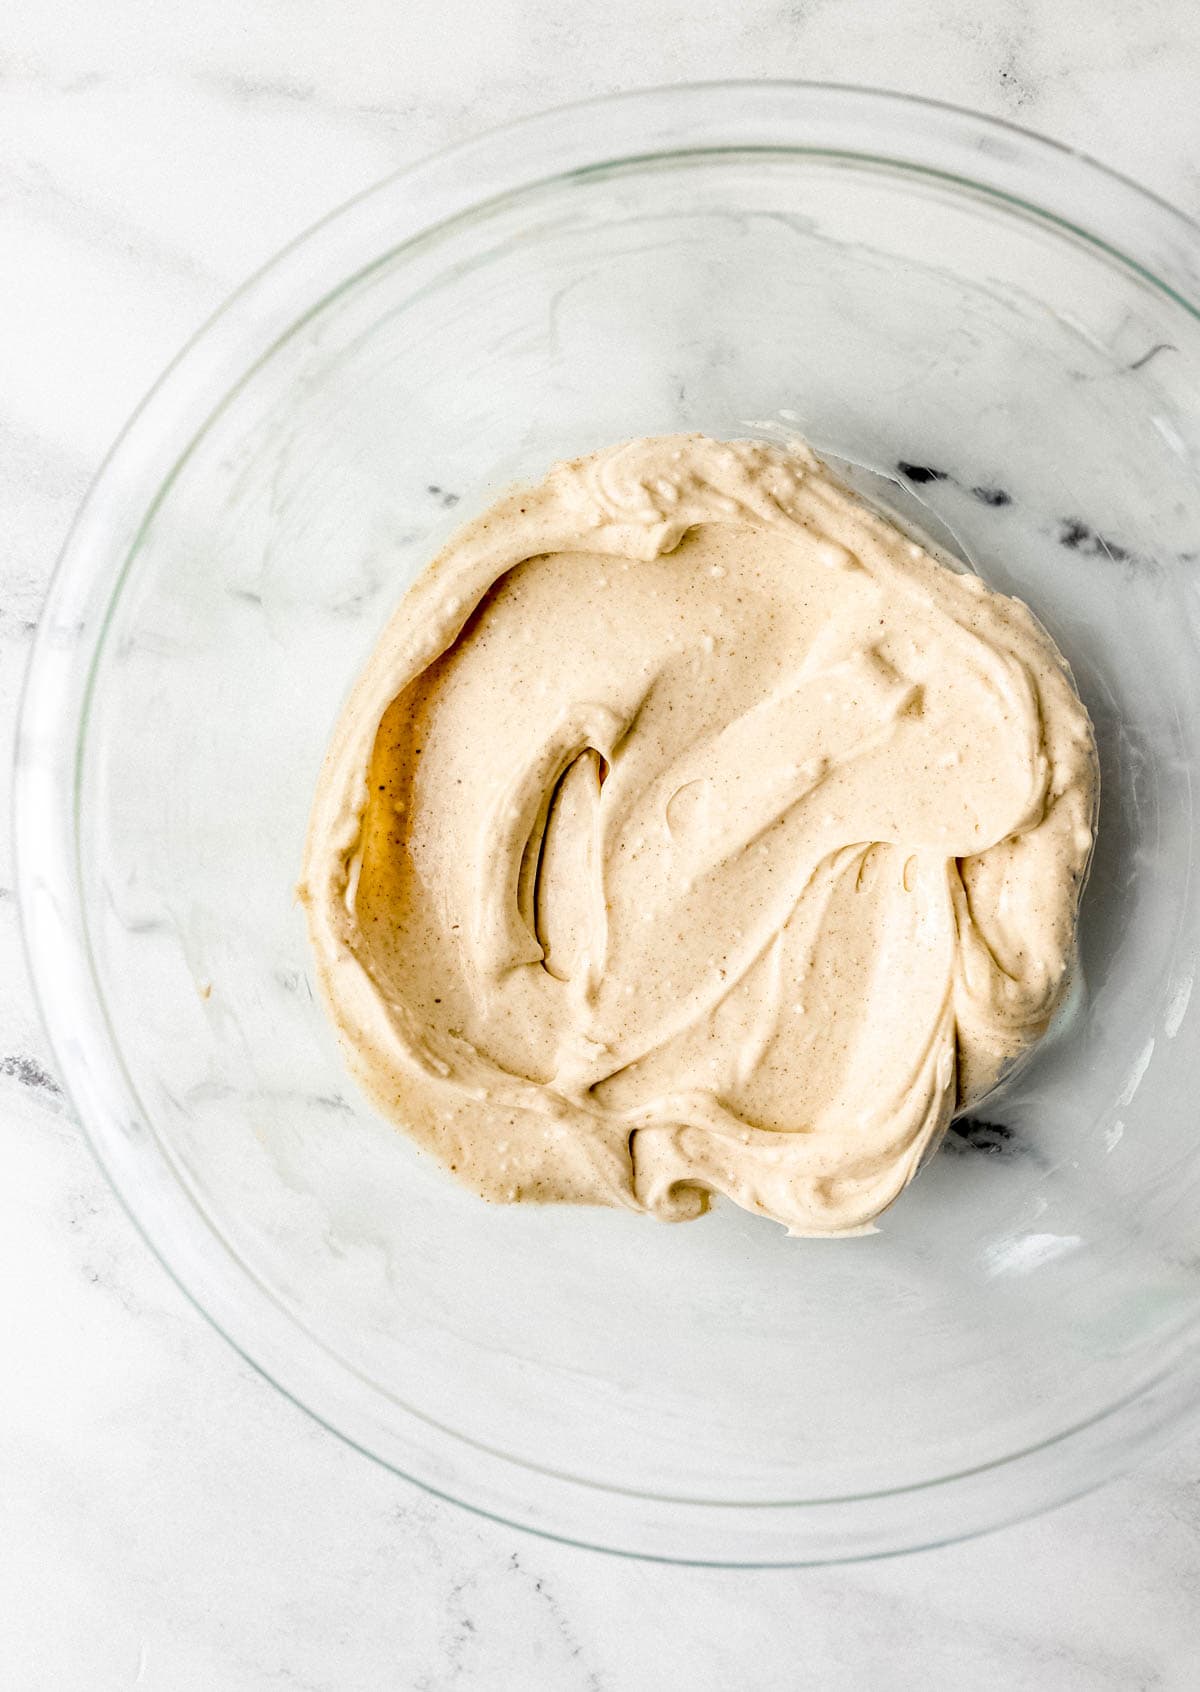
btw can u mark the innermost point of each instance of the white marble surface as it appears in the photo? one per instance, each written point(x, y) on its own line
point(168, 1520)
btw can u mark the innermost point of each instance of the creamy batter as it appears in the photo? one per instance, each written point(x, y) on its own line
point(692, 830)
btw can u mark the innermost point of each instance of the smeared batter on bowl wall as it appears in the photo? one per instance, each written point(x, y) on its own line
point(692, 830)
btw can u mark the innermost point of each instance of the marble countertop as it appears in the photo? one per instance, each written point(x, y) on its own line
point(169, 1520)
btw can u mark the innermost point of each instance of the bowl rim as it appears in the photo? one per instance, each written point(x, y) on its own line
point(1036, 176)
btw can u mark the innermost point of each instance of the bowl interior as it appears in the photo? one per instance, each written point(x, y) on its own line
point(1034, 397)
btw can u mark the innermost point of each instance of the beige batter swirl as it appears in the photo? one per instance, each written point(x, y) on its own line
point(693, 831)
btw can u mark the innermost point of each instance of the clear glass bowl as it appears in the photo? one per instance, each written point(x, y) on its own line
point(1007, 332)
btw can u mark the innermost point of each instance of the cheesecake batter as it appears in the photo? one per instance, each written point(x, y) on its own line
point(692, 830)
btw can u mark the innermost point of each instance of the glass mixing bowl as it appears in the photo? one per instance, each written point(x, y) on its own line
point(1008, 335)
